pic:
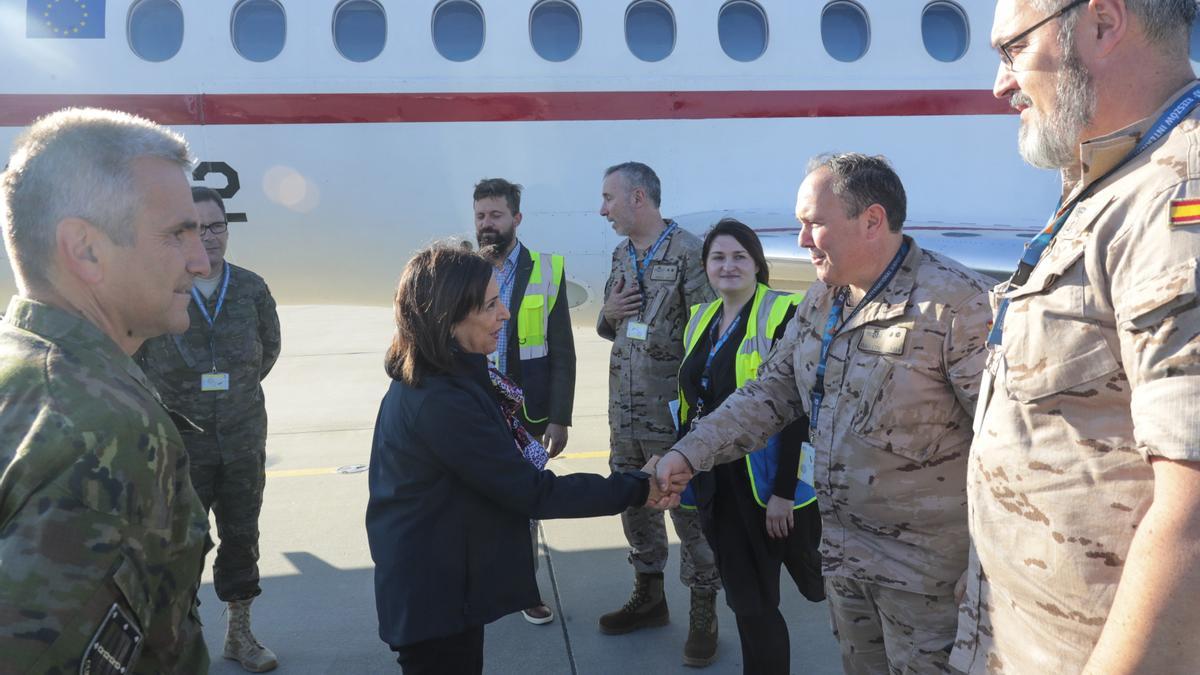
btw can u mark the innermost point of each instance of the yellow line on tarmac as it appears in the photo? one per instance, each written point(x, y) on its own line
point(330, 470)
point(292, 473)
point(597, 454)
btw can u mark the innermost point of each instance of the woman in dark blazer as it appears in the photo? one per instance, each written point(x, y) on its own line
point(452, 490)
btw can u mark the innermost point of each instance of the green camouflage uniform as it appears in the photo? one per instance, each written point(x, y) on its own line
point(643, 378)
point(95, 503)
point(228, 459)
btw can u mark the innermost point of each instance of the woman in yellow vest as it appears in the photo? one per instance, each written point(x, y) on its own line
point(757, 514)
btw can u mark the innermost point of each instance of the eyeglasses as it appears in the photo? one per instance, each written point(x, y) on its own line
point(218, 227)
point(1007, 57)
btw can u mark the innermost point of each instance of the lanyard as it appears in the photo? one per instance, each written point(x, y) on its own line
point(1037, 247)
point(835, 323)
point(712, 352)
point(506, 279)
point(640, 269)
point(210, 320)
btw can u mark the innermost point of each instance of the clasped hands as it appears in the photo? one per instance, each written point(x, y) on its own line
point(669, 475)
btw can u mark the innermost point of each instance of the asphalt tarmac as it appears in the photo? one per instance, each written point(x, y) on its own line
point(317, 610)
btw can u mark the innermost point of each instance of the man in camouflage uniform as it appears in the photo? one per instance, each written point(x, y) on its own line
point(903, 334)
point(101, 534)
point(1084, 478)
point(212, 374)
point(656, 276)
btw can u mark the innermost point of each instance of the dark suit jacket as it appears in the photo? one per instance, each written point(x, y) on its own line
point(450, 502)
point(558, 398)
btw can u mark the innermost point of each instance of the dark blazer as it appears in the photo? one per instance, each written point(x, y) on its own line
point(450, 504)
point(556, 398)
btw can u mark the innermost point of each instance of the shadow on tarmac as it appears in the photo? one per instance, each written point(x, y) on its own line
point(322, 620)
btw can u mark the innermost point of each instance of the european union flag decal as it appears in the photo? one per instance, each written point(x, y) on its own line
point(64, 18)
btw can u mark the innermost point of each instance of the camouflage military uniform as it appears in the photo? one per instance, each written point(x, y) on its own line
point(1096, 373)
point(95, 503)
point(228, 458)
point(891, 444)
point(643, 377)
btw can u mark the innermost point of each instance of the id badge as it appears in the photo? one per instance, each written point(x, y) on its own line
point(808, 463)
point(637, 330)
point(214, 382)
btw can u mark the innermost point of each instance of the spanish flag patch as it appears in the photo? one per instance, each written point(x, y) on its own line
point(1185, 212)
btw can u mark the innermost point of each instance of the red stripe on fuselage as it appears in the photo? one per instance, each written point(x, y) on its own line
point(200, 109)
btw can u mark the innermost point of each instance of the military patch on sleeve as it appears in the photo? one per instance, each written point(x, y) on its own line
point(1185, 212)
point(115, 647)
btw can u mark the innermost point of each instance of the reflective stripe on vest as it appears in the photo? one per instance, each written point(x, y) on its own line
point(756, 343)
point(541, 294)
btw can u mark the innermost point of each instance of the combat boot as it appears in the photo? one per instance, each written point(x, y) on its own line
point(240, 643)
point(701, 647)
point(647, 607)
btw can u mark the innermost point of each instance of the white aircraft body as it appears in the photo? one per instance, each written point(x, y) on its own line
point(342, 168)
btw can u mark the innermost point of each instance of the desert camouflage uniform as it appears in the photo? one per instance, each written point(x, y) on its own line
point(891, 452)
point(228, 459)
point(1097, 372)
point(643, 378)
point(95, 503)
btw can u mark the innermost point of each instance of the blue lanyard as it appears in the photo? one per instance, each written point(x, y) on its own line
point(834, 324)
point(210, 320)
point(1037, 247)
point(506, 279)
point(220, 299)
point(640, 269)
point(712, 353)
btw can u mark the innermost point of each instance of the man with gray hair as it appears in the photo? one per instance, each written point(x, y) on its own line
point(884, 357)
point(657, 274)
point(1084, 477)
point(101, 535)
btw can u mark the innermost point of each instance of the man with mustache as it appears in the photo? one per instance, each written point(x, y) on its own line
point(1084, 477)
point(657, 275)
point(101, 535)
point(213, 373)
point(884, 357)
point(536, 348)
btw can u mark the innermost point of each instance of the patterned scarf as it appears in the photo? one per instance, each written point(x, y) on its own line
point(512, 400)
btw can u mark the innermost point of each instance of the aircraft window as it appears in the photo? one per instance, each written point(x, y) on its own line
point(555, 29)
point(458, 29)
point(845, 30)
point(944, 29)
point(155, 29)
point(1195, 46)
point(259, 29)
point(359, 29)
point(742, 28)
point(650, 30)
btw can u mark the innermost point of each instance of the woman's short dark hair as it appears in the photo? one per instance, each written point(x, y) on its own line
point(440, 286)
point(746, 237)
point(207, 194)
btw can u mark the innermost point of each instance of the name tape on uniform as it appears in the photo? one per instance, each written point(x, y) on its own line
point(883, 340)
point(662, 272)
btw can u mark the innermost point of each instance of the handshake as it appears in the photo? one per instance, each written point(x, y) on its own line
point(669, 475)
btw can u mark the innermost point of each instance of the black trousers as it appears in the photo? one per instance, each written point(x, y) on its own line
point(766, 649)
point(459, 654)
point(750, 562)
